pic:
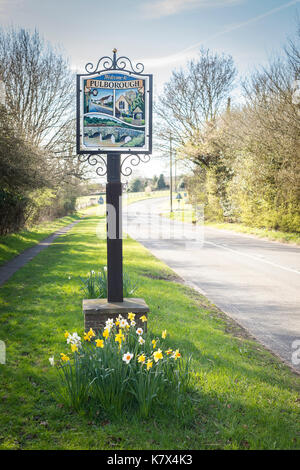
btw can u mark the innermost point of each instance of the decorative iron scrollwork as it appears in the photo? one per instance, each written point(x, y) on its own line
point(114, 63)
point(94, 160)
point(132, 160)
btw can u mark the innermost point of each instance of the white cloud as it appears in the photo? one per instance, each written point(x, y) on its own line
point(190, 51)
point(160, 8)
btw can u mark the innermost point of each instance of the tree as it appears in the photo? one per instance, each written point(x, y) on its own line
point(161, 184)
point(40, 88)
point(136, 185)
point(195, 97)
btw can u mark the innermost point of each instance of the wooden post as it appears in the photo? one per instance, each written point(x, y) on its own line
point(114, 229)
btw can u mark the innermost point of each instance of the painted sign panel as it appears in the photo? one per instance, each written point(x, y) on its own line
point(114, 113)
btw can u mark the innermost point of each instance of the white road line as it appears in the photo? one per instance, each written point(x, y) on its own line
point(254, 257)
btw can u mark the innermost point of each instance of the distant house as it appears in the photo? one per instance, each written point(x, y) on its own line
point(106, 99)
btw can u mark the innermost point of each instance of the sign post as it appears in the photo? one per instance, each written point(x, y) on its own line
point(114, 119)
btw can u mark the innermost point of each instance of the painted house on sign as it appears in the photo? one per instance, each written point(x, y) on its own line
point(123, 105)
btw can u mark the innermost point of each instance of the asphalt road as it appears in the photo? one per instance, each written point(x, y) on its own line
point(254, 281)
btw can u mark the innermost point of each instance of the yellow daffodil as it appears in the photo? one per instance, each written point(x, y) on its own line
point(131, 316)
point(157, 355)
point(142, 358)
point(164, 334)
point(99, 343)
point(67, 334)
point(74, 347)
point(176, 354)
point(154, 343)
point(87, 337)
point(169, 351)
point(105, 333)
point(149, 364)
point(64, 357)
point(91, 333)
point(143, 318)
point(119, 337)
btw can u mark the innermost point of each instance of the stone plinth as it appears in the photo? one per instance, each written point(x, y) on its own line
point(97, 311)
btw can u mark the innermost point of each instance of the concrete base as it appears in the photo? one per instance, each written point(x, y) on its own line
point(97, 311)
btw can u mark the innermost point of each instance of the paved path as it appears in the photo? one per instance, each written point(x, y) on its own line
point(8, 269)
point(254, 281)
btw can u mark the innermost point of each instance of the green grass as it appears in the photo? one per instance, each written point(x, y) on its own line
point(273, 235)
point(13, 245)
point(244, 397)
point(185, 213)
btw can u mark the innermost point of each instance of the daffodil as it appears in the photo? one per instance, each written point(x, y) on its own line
point(176, 354)
point(64, 357)
point(105, 333)
point(51, 360)
point(149, 364)
point(119, 337)
point(141, 340)
point(99, 343)
point(132, 323)
point(142, 358)
point(139, 331)
point(74, 347)
point(154, 343)
point(109, 323)
point(67, 334)
point(143, 318)
point(164, 334)
point(91, 333)
point(74, 339)
point(127, 357)
point(87, 337)
point(169, 351)
point(131, 316)
point(123, 323)
point(157, 355)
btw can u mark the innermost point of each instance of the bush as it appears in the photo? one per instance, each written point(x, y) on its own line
point(13, 208)
point(122, 369)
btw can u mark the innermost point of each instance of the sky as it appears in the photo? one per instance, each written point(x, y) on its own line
point(162, 34)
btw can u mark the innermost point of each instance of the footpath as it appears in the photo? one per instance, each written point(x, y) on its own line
point(8, 269)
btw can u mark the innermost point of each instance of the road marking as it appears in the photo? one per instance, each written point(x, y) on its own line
point(257, 258)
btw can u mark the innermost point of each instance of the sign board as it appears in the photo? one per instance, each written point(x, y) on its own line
point(114, 112)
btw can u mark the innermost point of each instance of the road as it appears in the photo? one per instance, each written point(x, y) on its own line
point(256, 282)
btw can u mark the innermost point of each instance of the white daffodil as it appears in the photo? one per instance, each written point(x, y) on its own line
point(139, 331)
point(109, 322)
point(74, 339)
point(127, 357)
point(141, 340)
point(119, 318)
point(132, 323)
point(51, 360)
point(123, 323)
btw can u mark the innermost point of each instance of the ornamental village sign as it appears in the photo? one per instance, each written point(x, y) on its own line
point(114, 133)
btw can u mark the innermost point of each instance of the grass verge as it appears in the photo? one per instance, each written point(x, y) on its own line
point(244, 397)
point(12, 245)
point(184, 213)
